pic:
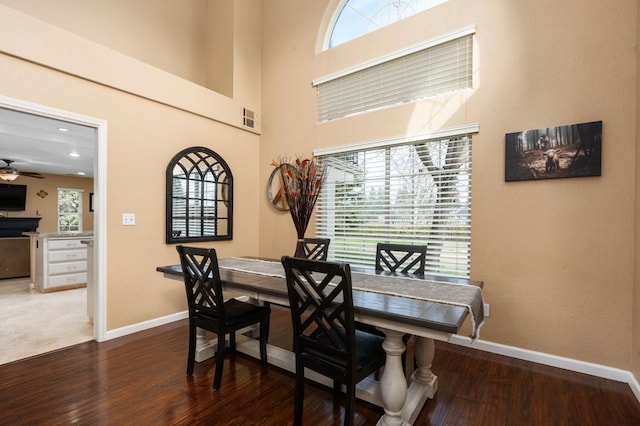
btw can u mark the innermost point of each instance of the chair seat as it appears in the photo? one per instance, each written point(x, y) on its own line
point(236, 312)
point(367, 328)
point(368, 351)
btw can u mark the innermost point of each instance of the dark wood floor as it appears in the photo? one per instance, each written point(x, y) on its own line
point(140, 379)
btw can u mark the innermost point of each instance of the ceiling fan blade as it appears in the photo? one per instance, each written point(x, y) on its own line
point(31, 175)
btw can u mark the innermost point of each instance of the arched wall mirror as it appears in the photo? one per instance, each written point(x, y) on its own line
point(199, 197)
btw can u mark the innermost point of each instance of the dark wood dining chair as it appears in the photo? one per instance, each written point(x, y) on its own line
point(405, 258)
point(402, 258)
point(325, 339)
point(316, 248)
point(208, 309)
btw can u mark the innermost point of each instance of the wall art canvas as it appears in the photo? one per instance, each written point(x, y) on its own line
point(554, 152)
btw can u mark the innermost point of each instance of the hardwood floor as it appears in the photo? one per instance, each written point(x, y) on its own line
point(140, 379)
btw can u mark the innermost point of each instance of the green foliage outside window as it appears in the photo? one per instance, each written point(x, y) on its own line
point(69, 210)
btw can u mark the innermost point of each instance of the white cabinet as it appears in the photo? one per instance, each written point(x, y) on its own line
point(61, 262)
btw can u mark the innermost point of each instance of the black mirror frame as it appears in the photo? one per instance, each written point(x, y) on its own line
point(171, 235)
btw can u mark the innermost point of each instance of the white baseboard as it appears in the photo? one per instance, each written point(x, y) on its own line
point(592, 369)
point(145, 325)
point(635, 387)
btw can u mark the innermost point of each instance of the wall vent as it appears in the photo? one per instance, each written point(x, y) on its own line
point(248, 118)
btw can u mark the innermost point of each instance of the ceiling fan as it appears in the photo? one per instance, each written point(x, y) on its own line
point(10, 173)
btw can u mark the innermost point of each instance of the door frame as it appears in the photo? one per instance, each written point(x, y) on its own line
point(99, 200)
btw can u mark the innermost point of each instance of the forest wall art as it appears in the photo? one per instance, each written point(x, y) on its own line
point(554, 152)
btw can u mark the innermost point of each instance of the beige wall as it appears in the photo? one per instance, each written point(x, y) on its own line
point(212, 43)
point(167, 34)
point(151, 115)
point(46, 207)
point(557, 257)
point(636, 293)
point(219, 47)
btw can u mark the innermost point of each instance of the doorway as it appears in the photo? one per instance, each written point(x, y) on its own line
point(98, 127)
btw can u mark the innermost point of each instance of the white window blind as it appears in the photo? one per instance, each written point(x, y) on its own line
point(437, 69)
point(414, 193)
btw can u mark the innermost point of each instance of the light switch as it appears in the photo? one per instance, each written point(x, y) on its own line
point(128, 219)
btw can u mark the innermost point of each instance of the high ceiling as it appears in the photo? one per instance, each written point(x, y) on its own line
point(44, 145)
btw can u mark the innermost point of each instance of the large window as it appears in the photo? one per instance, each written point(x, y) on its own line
point(419, 72)
point(69, 210)
point(416, 192)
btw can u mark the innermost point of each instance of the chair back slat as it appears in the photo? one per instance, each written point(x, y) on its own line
point(316, 248)
point(202, 281)
point(321, 305)
point(408, 259)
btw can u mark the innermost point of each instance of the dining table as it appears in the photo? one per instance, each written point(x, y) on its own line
point(428, 307)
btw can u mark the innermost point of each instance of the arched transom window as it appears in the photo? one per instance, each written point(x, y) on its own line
point(359, 17)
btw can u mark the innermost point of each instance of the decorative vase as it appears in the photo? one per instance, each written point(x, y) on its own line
point(301, 181)
point(300, 249)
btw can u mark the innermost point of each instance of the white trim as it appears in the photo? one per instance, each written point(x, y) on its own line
point(331, 14)
point(100, 234)
point(592, 369)
point(397, 54)
point(146, 325)
point(635, 386)
point(100, 198)
point(436, 134)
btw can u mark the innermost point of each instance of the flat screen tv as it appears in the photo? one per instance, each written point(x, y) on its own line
point(13, 197)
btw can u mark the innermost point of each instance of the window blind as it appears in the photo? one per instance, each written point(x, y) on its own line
point(414, 193)
point(435, 70)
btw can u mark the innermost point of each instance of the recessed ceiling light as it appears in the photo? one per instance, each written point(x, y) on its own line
point(81, 173)
point(63, 129)
point(74, 154)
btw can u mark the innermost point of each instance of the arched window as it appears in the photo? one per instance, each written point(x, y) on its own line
point(359, 17)
point(199, 197)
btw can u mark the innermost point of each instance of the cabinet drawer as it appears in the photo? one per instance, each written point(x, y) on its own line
point(67, 279)
point(67, 267)
point(65, 243)
point(64, 255)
